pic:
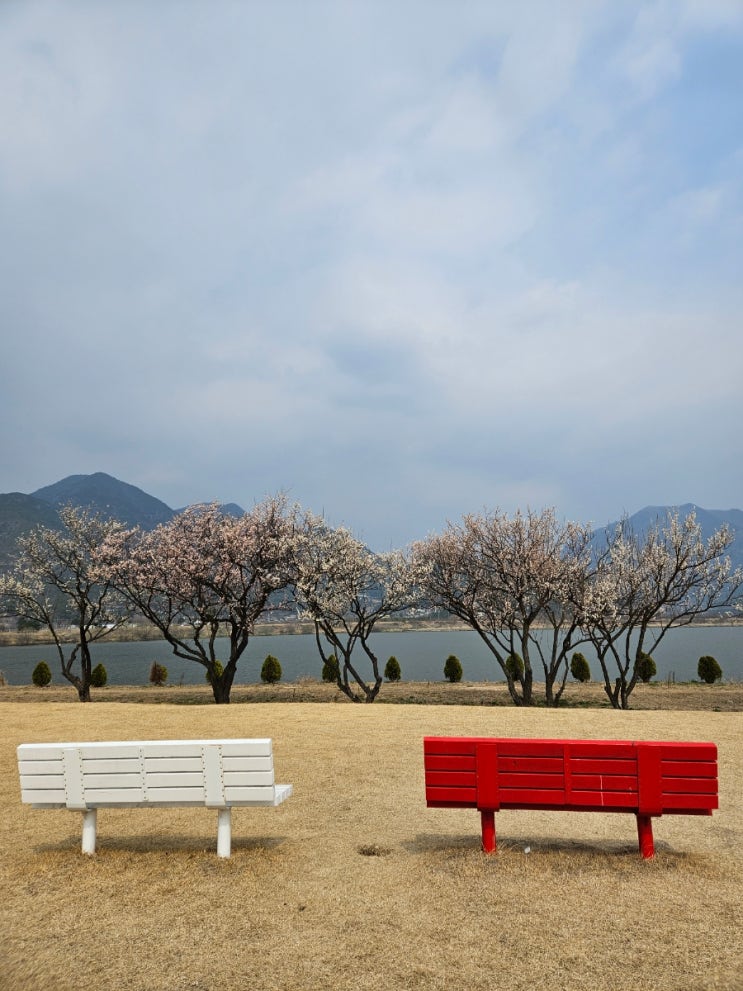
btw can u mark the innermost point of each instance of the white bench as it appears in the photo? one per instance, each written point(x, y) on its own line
point(218, 774)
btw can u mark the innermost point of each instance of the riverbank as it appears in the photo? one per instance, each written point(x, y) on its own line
point(661, 696)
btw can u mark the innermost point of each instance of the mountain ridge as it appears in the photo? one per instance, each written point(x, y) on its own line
point(102, 493)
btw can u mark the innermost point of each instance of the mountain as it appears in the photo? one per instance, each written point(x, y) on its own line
point(19, 513)
point(708, 519)
point(99, 492)
point(108, 496)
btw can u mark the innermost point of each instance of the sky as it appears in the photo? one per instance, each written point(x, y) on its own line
point(400, 260)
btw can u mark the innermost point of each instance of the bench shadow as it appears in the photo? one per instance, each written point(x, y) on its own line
point(447, 843)
point(163, 843)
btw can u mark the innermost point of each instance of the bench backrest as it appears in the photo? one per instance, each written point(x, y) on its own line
point(214, 773)
point(646, 777)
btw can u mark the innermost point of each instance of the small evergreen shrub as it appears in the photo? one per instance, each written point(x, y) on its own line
point(515, 666)
point(392, 670)
point(453, 668)
point(579, 667)
point(158, 674)
point(330, 669)
point(271, 670)
point(41, 675)
point(218, 672)
point(708, 669)
point(98, 676)
point(645, 667)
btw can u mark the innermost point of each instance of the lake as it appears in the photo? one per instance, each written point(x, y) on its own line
point(421, 655)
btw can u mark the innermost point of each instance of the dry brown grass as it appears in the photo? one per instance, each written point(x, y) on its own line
point(353, 883)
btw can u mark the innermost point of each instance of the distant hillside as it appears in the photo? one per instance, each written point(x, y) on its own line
point(19, 513)
point(108, 496)
point(99, 492)
point(709, 520)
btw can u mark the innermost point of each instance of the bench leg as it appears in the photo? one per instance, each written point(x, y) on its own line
point(224, 833)
point(487, 818)
point(645, 836)
point(89, 823)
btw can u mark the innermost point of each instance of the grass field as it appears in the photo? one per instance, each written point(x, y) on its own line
point(353, 883)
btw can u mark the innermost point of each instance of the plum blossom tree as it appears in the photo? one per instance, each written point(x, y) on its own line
point(509, 578)
point(57, 583)
point(346, 589)
point(206, 574)
point(641, 587)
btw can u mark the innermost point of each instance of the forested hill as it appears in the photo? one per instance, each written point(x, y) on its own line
point(99, 492)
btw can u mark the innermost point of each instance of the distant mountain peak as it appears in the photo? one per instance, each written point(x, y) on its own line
point(108, 496)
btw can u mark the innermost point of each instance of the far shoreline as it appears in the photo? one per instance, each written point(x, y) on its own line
point(142, 632)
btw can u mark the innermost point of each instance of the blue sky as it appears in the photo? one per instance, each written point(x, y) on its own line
point(400, 260)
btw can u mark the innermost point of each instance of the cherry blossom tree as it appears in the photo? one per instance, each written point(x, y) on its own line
point(513, 581)
point(346, 589)
point(205, 575)
point(643, 586)
point(57, 582)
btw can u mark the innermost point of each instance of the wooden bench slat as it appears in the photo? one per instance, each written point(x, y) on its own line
point(688, 769)
point(454, 779)
point(605, 782)
point(528, 781)
point(460, 796)
point(532, 796)
point(42, 782)
point(688, 786)
point(46, 797)
point(597, 765)
point(40, 766)
point(450, 762)
point(525, 763)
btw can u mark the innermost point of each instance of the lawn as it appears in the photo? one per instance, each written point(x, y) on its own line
point(353, 883)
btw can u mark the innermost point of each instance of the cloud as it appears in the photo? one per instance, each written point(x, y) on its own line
point(401, 260)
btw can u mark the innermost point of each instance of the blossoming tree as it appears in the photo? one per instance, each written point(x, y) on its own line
point(204, 575)
point(643, 586)
point(346, 589)
point(57, 582)
point(514, 581)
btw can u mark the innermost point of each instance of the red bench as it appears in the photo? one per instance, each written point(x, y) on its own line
point(645, 778)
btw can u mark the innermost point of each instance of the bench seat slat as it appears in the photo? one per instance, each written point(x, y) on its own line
point(261, 794)
point(246, 763)
point(460, 796)
point(44, 797)
point(247, 779)
point(94, 796)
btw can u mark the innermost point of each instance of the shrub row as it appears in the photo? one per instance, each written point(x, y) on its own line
point(708, 670)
